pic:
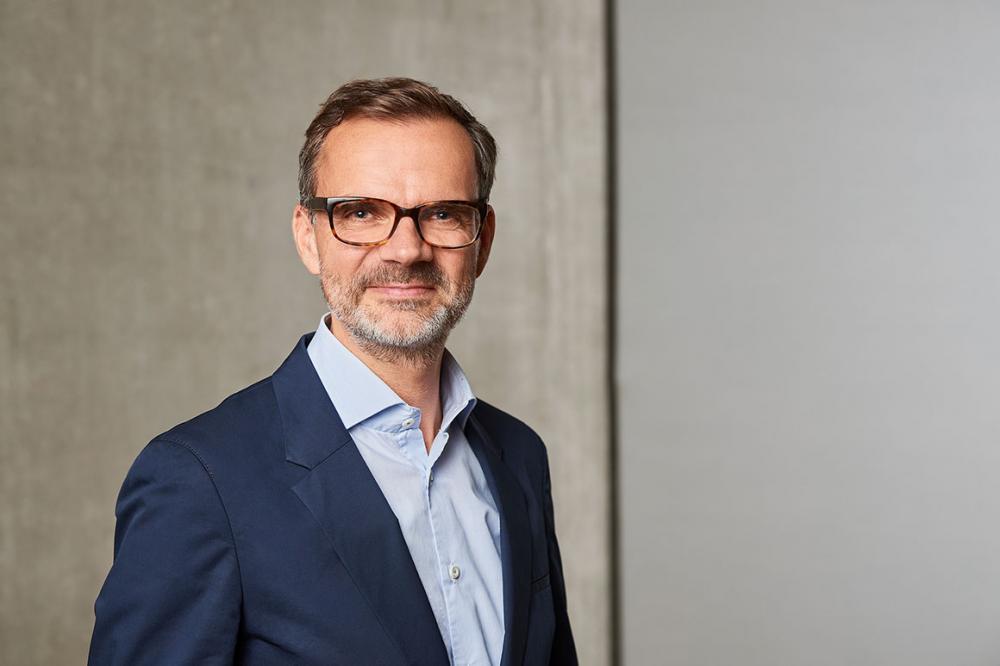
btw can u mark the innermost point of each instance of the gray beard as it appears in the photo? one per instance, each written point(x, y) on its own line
point(416, 346)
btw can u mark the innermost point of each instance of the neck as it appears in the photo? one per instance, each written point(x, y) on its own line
point(414, 377)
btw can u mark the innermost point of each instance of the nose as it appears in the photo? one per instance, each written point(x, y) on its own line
point(405, 246)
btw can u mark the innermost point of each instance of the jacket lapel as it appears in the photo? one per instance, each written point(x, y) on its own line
point(515, 540)
point(343, 496)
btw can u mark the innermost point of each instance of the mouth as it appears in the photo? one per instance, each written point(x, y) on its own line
point(408, 290)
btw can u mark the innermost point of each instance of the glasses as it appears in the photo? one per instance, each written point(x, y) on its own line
point(368, 221)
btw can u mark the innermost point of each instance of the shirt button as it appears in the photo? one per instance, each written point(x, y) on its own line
point(454, 572)
point(446, 435)
point(408, 422)
point(430, 477)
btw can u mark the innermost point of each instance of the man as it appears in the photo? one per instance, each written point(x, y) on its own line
point(359, 506)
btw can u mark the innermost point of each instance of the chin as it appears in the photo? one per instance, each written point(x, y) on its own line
point(408, 331)
point(402, 327)
point(403, 305)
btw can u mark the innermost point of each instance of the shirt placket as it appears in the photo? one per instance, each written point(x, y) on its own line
point(450, 571)
point(449, 568)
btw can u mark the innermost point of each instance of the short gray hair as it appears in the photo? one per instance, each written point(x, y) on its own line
point(393, 99)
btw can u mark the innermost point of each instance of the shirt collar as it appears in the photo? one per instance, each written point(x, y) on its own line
point(359, 394)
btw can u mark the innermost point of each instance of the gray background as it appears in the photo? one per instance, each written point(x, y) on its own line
point(147, 268)
point(808, 292)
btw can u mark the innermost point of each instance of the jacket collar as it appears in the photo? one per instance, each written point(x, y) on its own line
point(313, 429)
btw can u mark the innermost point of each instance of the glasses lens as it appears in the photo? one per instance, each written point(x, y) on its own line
point(449, 224)
point(363, 220)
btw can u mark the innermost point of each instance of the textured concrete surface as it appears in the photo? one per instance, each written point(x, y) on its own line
point(147, 268)
point(809, 420)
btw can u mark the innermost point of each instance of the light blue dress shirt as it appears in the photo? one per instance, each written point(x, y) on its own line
point(444, 506)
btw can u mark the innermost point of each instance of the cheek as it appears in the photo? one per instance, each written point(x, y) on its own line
point(458, 267)
point(341, 263)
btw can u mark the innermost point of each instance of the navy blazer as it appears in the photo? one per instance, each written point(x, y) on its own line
point(255, 534)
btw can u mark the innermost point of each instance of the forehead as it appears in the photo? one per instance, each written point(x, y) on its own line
point(408, 161)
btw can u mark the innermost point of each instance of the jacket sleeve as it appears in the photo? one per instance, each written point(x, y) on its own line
point(173, 593)
point(563, 647)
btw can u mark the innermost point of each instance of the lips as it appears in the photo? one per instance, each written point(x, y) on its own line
point(402, 290)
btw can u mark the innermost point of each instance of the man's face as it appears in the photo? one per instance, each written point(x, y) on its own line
point(402, 298)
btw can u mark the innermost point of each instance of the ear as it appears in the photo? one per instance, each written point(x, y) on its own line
point(304, 233)
point(486, 240)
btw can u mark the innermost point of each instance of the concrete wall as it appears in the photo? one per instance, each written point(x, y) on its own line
point(147, 268)
point(808, 294)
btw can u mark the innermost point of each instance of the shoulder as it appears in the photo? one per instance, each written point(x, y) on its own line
point(497, 420)
point(243, 426)
point(514, 436)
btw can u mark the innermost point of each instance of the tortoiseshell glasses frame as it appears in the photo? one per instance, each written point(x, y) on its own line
point(463, 226)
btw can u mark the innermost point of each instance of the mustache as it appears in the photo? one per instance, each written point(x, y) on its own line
point(421, 273)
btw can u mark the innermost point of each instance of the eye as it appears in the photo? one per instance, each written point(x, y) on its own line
point(356, 212)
